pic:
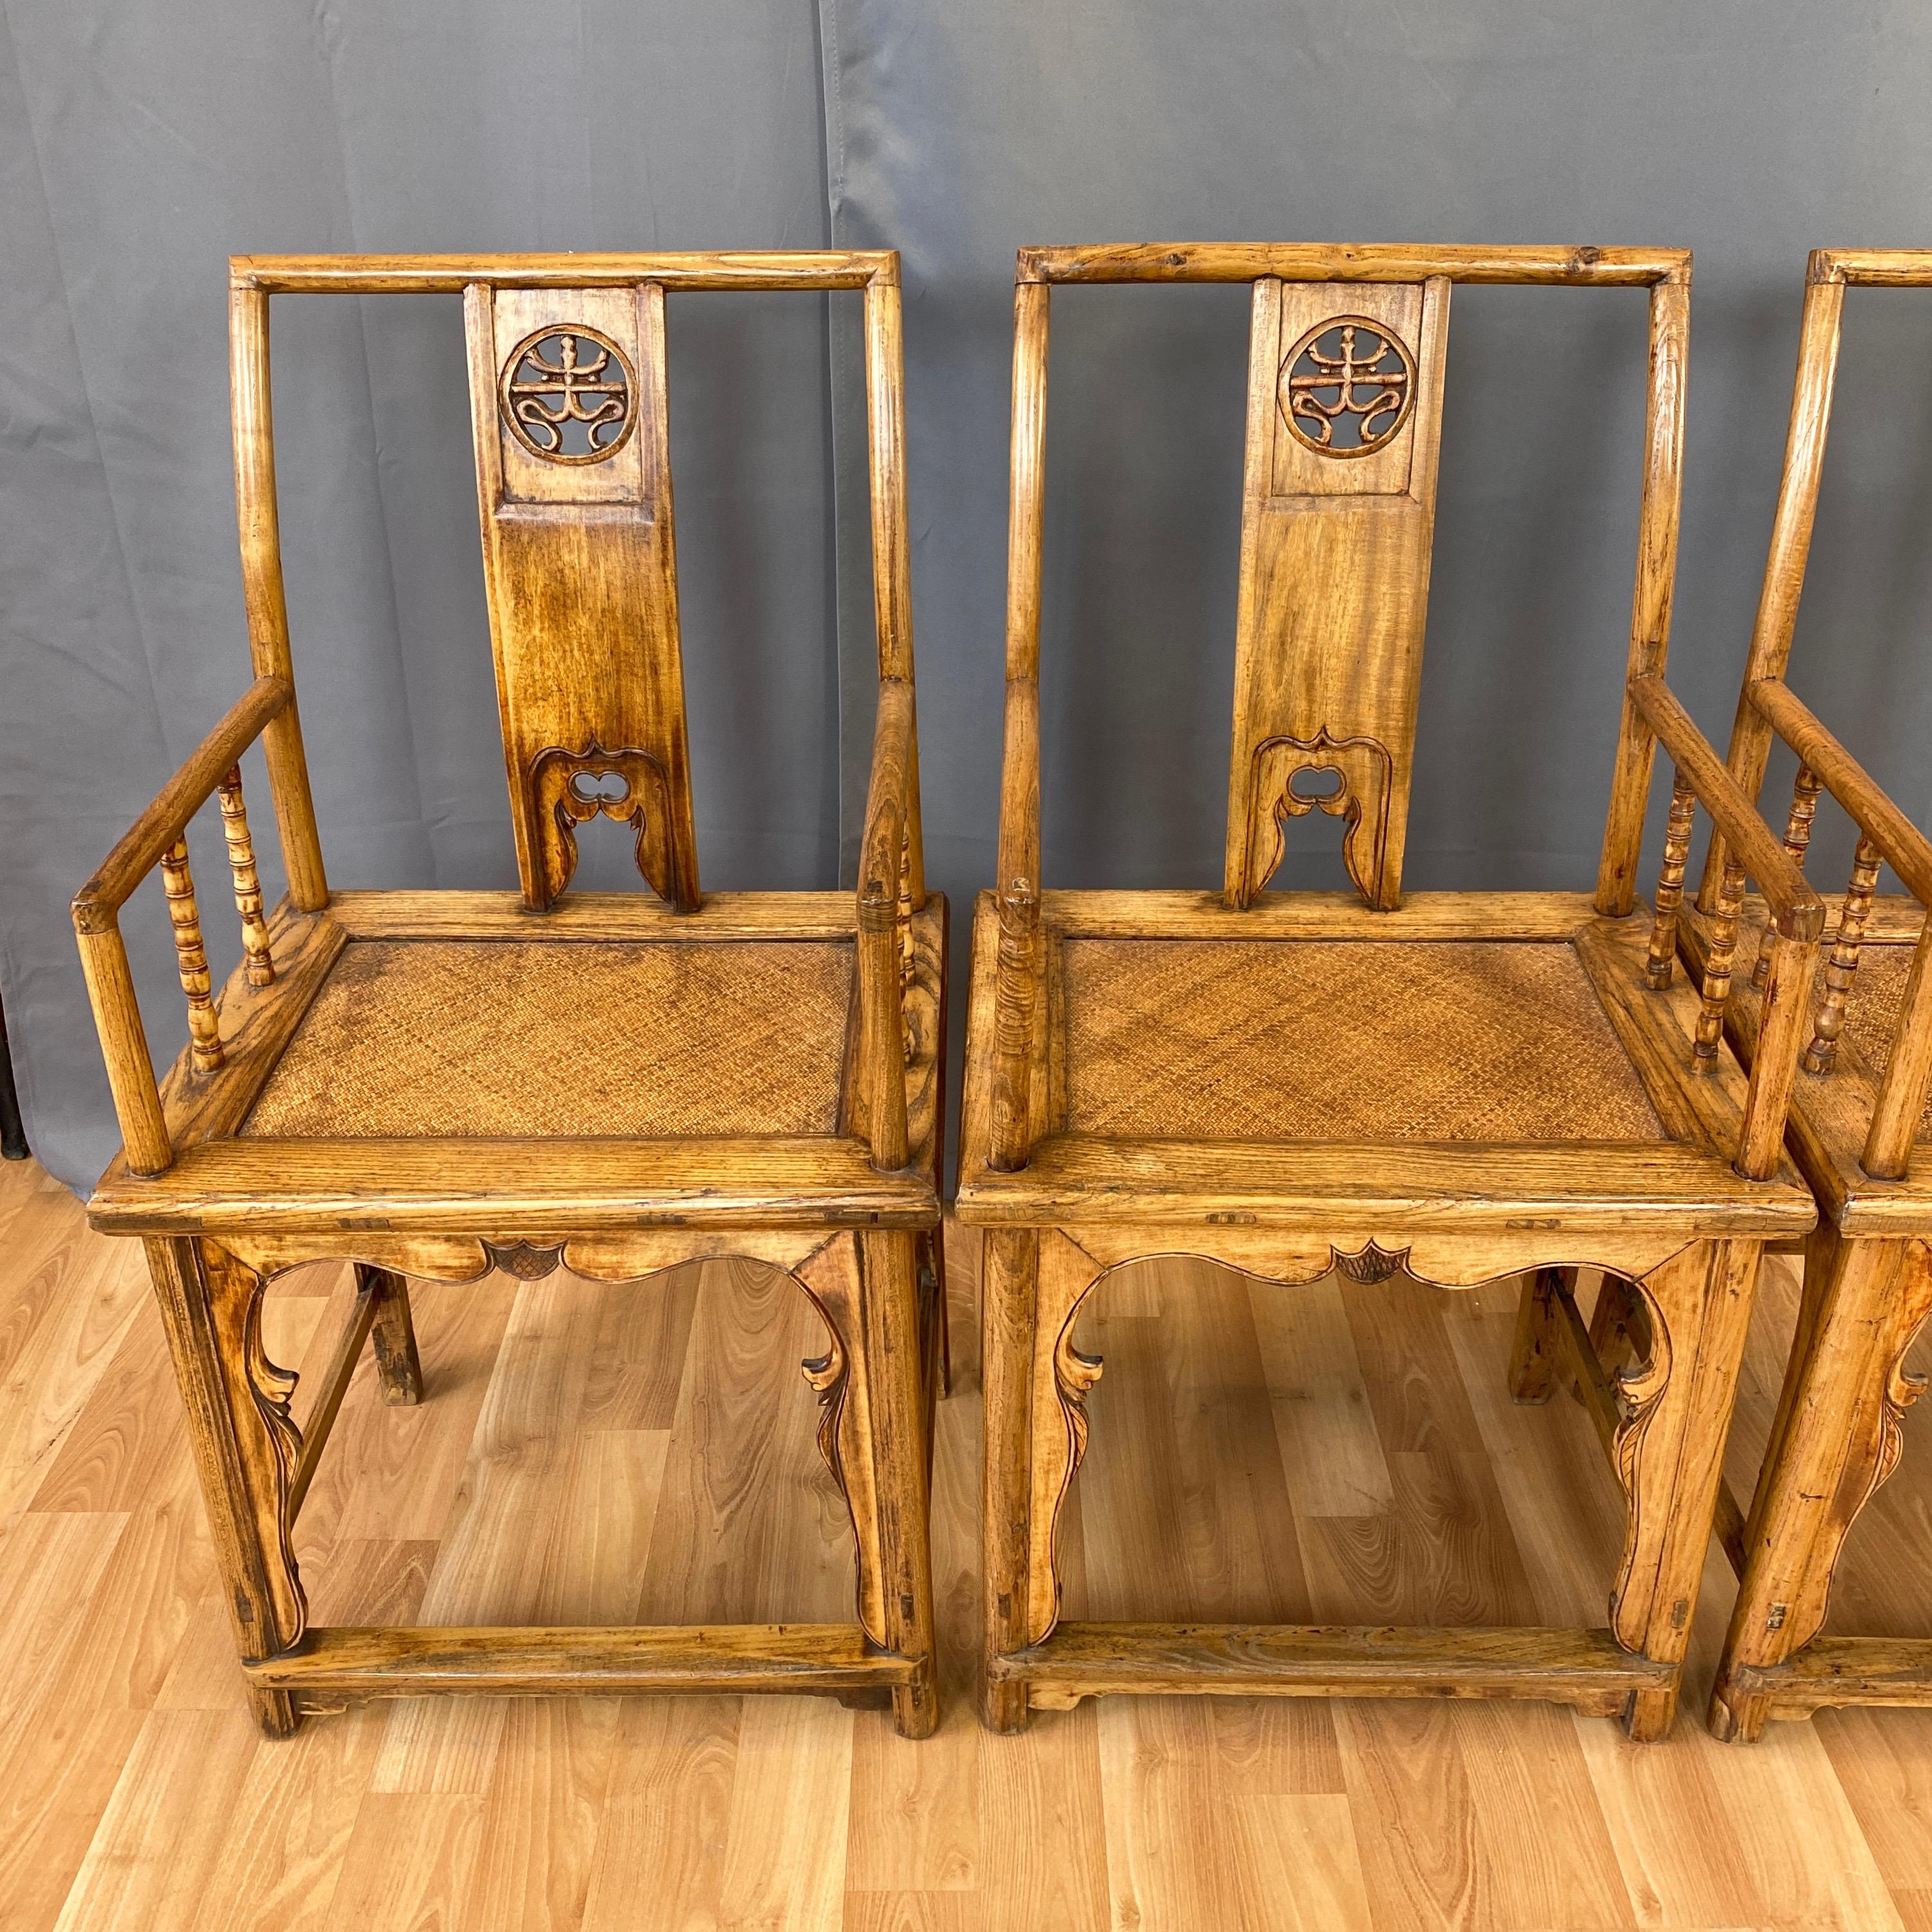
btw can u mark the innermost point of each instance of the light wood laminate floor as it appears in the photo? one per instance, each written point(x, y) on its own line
point(596, 1453)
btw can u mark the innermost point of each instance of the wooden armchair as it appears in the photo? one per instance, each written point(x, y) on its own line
point(1859, 1126)
point(438, 1084)
point(1464, 1085)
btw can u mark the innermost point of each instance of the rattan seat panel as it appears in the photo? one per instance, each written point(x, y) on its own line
point(483, 1039)
point(1216, 1039)
point(1871, 1013)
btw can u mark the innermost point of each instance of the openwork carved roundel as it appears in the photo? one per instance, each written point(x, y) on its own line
point(1347, 386)
point(569, 395)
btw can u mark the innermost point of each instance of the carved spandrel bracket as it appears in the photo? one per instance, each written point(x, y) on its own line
point(570, 788)
point(1361, 801)
point(831, 1280)
point(268, 1446)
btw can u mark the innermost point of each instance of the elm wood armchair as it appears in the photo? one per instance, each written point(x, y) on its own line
point(1466, 1085)
point(1859, 1127)
point(436, 1084)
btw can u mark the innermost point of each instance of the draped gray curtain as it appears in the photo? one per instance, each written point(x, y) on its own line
point(142, 144)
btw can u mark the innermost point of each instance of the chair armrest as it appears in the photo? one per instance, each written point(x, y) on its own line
point(1796, 912)
point(99, 901)
point(884, 907)
point(156, 838)
point(1904, 847)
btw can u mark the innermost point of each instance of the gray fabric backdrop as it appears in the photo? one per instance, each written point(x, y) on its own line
point(140, 145)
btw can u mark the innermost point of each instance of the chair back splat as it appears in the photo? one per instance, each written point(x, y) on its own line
point(573, 481)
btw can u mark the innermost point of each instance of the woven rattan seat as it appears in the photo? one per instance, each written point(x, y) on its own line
point(1231, 1039)
point(1872, 1008)
point(437, 1037)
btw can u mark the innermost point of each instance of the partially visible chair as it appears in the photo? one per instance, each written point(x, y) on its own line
point(437, 1083)
point(1465, 1085)
point(1860, 1129)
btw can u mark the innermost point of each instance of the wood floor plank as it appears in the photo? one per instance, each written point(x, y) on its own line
point(67, 1319)
point(1299, 1868)
point(290, 1828)
point(162, 1833)
point(541, 1814)
point(492, 1562)
point(784, 1841)
point(1185, 1506)
point(750, 1528)
point(410, 1861)
point(659, 1854)
point(1324, 1424)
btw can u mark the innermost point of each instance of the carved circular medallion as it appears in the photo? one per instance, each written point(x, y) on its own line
point(569, 395)
point(1347, 386)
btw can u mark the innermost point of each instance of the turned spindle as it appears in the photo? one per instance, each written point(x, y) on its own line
point(204, 1029)
point(1670, 883)
point(1718, 967)
point(1844, 963)
point(1804, 791)
point(258, 963)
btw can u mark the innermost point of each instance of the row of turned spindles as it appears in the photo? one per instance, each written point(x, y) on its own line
point(191, 955)
point(1840, 967)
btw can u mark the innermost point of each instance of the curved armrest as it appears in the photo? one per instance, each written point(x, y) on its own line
point(97, 909)
point(1796, 912)
point(1904, 847)
point(164, 821)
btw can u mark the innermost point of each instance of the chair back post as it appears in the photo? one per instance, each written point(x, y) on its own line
point(891, 557)
point(1791, 528)
point(883, 912)
point(259, 517)
point(1656, 576)
point(1016, 985)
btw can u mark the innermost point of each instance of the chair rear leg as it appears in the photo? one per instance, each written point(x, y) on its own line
point(1533, 1355)
point(392, 1335)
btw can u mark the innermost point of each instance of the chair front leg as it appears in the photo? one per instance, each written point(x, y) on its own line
point(246, 1447)
point(1009, 1314)
point(1836, 1438)
point(874, 1440)
point(901, 1423)
point(1669, 1450)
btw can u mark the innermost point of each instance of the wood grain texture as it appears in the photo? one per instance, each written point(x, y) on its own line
point(1203, 1814)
